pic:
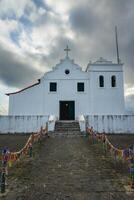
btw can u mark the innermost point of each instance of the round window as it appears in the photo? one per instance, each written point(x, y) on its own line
point(67, 71)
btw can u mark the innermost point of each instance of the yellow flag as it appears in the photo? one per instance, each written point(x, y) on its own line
point(10, 163)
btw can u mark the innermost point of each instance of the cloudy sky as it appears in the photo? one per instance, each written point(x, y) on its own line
point(33, 34)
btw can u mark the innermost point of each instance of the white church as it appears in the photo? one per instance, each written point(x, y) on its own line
point(94, 97)
point(67, 92)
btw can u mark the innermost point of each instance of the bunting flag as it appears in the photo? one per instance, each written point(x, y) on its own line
point(125, 154)
point(11, 157)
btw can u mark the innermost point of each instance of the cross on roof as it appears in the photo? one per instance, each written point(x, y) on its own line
point(67, 50)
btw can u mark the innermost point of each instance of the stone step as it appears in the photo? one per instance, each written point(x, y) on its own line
point(64, 130)
point(65, 134)
point(67, 122)
point(57, 125)
point(67, 126)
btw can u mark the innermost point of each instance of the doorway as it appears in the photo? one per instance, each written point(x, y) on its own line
point(67, 110)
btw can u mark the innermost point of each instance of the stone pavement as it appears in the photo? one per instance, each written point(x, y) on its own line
point(70, 168)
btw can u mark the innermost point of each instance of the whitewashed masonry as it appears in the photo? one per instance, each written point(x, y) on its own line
point(67, 93)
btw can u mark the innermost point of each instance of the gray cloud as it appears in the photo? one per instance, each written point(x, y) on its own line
point(118, 7)
point(84, 19)
point(57, 51)
point(41, 4)
point(130, 102)
point(14, 72)
point(93, 25)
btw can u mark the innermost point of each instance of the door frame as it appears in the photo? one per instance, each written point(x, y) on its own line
point(60, 108)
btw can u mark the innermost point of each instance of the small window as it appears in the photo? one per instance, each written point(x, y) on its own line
point(80, 87)
point(101, 81)
point(113, 81)
point(67, 71)
point(53, 87)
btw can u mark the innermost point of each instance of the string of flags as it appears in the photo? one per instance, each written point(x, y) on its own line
point(11, 157)
point(122, 153)
point(8, 158)
point(126, 154)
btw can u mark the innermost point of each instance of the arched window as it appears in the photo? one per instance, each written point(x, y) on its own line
point(101, 81)
point(113, 81)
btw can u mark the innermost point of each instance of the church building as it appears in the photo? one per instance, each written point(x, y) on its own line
point(93, 97)
point(67, 91)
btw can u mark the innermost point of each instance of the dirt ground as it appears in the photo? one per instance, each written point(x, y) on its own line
point(16, 141)
point(65, 168)
point(13, 141)
point(122, 140)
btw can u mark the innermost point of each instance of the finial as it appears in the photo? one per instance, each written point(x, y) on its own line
point(67, 50)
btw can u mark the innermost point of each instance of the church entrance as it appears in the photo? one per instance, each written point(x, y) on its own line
point(67, 110)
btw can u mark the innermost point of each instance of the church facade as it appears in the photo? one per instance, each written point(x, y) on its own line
point(94, 97)
point(68, 92)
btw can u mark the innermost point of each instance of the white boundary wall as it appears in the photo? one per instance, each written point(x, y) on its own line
point(22, 124)
point(100, 123)
point(111, 123)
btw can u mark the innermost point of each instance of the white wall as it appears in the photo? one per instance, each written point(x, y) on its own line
point(111, 123)
point(27, 102)
point(67, 91)
point(22, 124)
point(100, 123)
point(106, 100)
point(38, 100)
point(66, 88)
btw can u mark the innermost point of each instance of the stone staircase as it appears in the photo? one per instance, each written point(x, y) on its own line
point(67, 128)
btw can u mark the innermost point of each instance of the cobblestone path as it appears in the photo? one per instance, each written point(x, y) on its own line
point(70, 169)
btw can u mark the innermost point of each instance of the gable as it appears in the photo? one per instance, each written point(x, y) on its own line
point(66, 69)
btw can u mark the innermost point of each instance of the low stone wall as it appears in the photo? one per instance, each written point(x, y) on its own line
point(111, 123)
point(22, 124)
